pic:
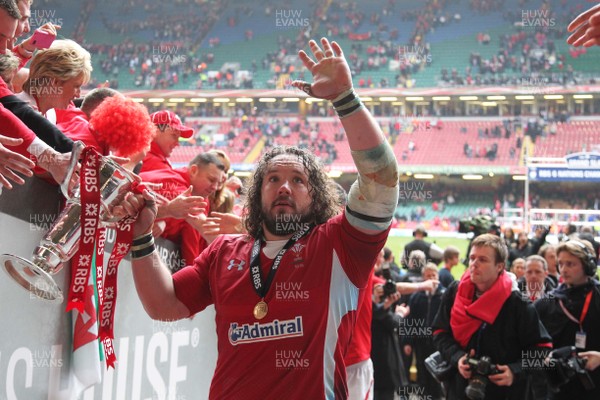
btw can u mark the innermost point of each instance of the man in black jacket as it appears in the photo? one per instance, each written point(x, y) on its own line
point(388, 369)
point(432, 251)
point(416, 330)
point(572, 312)
point(485, 315)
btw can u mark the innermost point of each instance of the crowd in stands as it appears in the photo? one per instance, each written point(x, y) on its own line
point(168, 56)
point(526, 57)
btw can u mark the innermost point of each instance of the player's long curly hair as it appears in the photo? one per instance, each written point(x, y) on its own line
point(323, 205)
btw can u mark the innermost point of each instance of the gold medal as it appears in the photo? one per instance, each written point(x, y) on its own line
point(260, 310)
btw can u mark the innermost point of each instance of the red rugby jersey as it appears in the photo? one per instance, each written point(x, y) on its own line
point(297, 350)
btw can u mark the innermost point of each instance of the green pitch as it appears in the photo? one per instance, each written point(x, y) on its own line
point(397, 245)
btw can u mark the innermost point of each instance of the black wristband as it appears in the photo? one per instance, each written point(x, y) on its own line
point(345, 100)
point(136, 255)
point(344, 113)
point(140, 240)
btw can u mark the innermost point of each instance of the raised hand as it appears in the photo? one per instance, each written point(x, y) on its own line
point(330, 71)
point(586, 28)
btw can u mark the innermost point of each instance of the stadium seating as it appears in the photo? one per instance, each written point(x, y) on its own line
point(571, 137)
point(451, 41)
point(447, 144)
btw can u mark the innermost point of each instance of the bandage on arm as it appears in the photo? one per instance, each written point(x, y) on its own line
point(373, 198)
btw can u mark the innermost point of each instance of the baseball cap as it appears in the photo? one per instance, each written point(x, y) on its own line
point(166, 117)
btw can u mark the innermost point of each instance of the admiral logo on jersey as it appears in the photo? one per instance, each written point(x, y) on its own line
point(248, 333)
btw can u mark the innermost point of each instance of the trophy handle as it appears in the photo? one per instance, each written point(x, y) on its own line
point(78, 147)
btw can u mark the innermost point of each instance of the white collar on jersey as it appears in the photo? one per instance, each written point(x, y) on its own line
point(272, 247)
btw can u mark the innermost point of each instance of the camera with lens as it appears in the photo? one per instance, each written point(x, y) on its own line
point(481, 368)
point(389, 288)
point(569, 365)
point(478, 225)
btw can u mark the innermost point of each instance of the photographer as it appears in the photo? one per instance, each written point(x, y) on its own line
point(389, 372)
point(417, 333)
point(484, 315)
point(477, 225)
point(572, 312)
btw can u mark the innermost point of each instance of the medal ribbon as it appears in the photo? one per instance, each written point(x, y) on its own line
point(262, 288)
point(101, 240)
point(90, 234)
point(89, 187)
point(109, 302)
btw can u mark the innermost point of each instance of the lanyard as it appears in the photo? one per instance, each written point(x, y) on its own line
point(479, 333)
point(586, 306)
point(262, 288)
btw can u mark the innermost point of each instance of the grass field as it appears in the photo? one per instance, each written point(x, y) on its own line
point(397, 245)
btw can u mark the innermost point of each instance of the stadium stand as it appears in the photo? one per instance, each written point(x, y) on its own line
point(392, 43)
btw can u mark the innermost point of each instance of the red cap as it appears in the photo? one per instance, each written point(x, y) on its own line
point(166, 117)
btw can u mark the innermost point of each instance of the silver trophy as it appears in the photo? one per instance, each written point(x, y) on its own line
point(62, 240)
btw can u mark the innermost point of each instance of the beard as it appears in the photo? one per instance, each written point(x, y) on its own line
point(283, 224)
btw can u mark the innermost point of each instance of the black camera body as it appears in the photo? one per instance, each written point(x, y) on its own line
point(478, 225)
point(569, 365)
point(389, 288)
point(480, 370)
point(439, 368)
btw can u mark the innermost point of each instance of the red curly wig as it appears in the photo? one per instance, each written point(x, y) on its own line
point(123, 125)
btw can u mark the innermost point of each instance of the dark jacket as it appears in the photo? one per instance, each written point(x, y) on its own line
point(44, 129)
point(417, 332)
point(445, 277)
point(549, 286)
point(388, 369)
point(423, 309)
point(563, 330)
point(422, 245)
point(517, 329)
point(532, 247)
